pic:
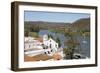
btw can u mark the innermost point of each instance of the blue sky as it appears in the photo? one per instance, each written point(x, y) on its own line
point(53, 16)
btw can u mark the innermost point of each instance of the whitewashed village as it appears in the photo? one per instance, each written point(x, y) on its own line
point(45, 46)
point(50, 37)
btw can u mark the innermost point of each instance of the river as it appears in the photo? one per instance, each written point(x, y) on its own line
point(84, 42)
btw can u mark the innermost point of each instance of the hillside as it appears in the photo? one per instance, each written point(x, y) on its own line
point(82, 24)
point(45, 25)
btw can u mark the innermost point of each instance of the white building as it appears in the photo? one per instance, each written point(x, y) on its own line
point(32, 46)
point(50, 45)
point(31, 43)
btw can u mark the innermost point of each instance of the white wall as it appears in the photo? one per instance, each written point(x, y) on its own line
point(5, 28)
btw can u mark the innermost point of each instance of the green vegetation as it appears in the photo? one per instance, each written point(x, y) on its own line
point(30, 30)
point(26, 30)
point(71, 47)
point(34, 29)
point(58, 41)
point(33, 34)
point(50, 36)
point(84, 33)
point(57, 30)
point(80, 27)
point(68, 53)
point(26, 33)
point(72, 43)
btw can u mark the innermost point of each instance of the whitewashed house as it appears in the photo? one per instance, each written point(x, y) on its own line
point(50, 46)
point(32, 46)
point(28, 43)
point(31, 43)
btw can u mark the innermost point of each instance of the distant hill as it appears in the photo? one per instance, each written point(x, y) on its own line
point(45, 25)
point(82, 24)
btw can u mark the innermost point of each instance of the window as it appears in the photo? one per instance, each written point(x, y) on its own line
point(50, 45)
point(48, 52)
point(46, 47)
point(56, 45)
point(51, 50)
point(29, 46)
point(44, 52)
point(43, 47)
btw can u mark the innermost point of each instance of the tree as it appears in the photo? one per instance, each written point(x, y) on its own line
point(58, 41)
point(70, 50)
point(71, 43)
point(68, 53)
point(50, 36)
point(34, 28)
point(26, 32)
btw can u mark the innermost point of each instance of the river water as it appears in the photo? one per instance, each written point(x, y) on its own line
point(84, 42)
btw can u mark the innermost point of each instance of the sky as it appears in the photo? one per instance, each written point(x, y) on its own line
point(53, 16)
